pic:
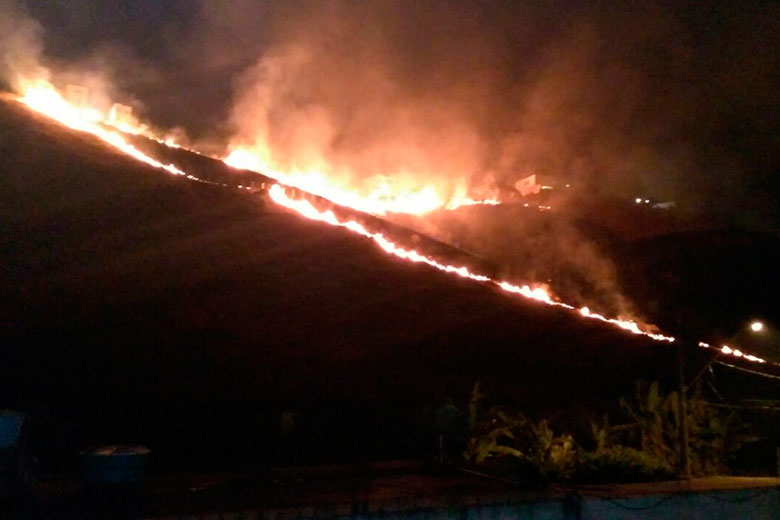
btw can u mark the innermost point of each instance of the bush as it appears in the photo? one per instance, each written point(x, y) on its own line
point(644, 448)
point(533, 449)
point(621, 464)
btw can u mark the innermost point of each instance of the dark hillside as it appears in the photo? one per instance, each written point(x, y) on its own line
point(139, 306)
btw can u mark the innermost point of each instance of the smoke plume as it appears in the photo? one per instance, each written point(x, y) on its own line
point(21, 45)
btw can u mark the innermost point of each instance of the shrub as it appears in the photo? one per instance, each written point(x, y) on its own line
point(533, 449)
point(621, 464)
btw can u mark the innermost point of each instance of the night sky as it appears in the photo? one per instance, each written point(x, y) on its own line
point(678, 100)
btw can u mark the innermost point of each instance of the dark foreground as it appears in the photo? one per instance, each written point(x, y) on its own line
point(142, 308)
point(403, 489)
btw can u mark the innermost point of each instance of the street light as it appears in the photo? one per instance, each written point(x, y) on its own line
point(756, 326)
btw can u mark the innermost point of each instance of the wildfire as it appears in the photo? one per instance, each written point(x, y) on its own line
point(471, 202)
point(381, 195)
point(734, 352)
point(540, 294)
point(42, 97)
point(306, 209)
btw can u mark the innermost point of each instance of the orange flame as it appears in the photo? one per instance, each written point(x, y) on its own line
point(306, 209)
point(383, 195)
point(42, 97)
point(728, 351)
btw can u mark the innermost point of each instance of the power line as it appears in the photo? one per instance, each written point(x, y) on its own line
point(742, 407)
point(749, 371)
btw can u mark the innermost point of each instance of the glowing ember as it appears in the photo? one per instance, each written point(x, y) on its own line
point(305, 208)
point(728, 351)
point(453, 204)
point(538, 293)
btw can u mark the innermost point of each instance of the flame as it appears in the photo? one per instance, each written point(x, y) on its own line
point(306, 209)
point(728, 351)
point(42, 97)
point(538, 293)
point(380, 194)
point(467, 201)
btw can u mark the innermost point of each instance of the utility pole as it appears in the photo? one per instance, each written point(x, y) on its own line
point(683, 406)
point(685, 454)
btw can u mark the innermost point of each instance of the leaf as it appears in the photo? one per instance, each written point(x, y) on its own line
point(653, 399)
point(506, 450)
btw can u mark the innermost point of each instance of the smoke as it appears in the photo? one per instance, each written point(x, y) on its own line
point(623, 100)
point(356, 94)
point(21, 45)
point(456, 95)
point(671, 99)
point(468, 97)
point(96, 74)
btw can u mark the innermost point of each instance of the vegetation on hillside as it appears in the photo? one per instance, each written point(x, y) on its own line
point(643, 445)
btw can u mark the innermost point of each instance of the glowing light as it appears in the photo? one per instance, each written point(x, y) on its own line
point(728, 351)
point(537, 293)
point(457, 203)
point(756, 326)
point(243, 160)
point(305, 208)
